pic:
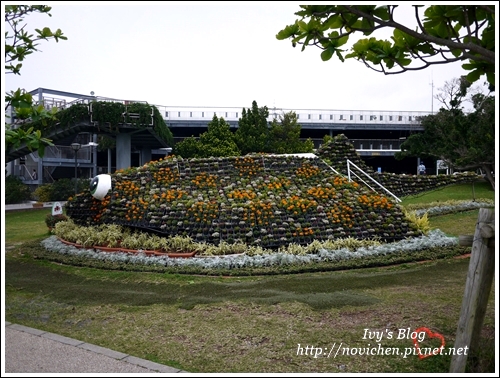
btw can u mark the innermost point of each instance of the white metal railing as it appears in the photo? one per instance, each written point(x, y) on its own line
point(206, 113)
point(51, 102)
point(179, 113)
point(53, 152)
point(47, 175)
point(333, 169)
point(65, 152)
point(349, 172)
point(26, 173)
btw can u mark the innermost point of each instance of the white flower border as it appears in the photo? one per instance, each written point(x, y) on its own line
point(446, 209)
point(435, 238)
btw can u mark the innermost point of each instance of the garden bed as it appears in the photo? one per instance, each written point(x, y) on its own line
point(315, 256)
point(266, 201)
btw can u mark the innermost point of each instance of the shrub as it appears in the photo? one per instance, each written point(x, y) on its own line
point(51, 220)
point(64, 188)
point(422, 222)
point(43, 193)
point(15, 190)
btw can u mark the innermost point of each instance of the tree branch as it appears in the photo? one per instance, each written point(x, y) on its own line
point(485, 54)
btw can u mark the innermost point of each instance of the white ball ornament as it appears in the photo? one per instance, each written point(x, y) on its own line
point(100, 186)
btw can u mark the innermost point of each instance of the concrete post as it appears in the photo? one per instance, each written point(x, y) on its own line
point(123, 148)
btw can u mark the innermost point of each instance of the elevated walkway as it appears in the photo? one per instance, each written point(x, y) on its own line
point(365, 124)
point(127, 135)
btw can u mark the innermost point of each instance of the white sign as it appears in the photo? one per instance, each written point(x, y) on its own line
point(441, 164)
point(57, 208)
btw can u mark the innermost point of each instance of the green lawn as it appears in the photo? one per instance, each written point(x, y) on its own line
point(475, 191)
point(25, 225)
point(256, 324)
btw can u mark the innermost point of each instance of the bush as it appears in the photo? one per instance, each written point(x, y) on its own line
point(43, 193)
point(15, 190)
point(60, 190)
point(64, 188)
point(51, 220)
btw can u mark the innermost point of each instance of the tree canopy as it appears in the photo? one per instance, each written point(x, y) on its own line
point(285, 135)
point(19, 43)
point(282, 135)
point(252, 134)
point(463, 141)
point(187, 148)
point(217, 141)
point(444, 34)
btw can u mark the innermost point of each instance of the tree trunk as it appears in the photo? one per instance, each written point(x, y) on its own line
point(488, 169)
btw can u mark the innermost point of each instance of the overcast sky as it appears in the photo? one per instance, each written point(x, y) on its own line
point(221, 54)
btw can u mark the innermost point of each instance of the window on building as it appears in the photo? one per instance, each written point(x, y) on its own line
point(166, 114)
point(351, 117)
point(360, 117)
point(203, 114)
point(331, 116)
point(390, 118)
point(381, 118)
point(190, 114)
point(308, 116)
point(320, 116)
point(179, 114)
point(400, 118)
point(409, 118)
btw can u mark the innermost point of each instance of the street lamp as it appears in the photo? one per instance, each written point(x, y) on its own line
point(167, 150)
point(76, 147)
point(93, 159)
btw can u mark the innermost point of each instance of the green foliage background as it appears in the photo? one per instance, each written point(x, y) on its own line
point(15, 190)
point(59, 190)
point(254, 134)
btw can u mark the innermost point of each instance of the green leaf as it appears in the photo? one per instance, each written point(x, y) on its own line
point(456, 53)
point(490, 76)
point(327, 54)
point(474, 75)
point(404, 62)
point(468, 66)
point(288, 32)
point(339, 55)
point(426, 48)
point(382, 12)
point(333, 22)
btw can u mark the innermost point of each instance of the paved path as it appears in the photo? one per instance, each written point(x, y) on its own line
point(29, 205)
point(29, 350)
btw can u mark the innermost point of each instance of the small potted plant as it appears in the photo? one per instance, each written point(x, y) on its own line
point(51, 220)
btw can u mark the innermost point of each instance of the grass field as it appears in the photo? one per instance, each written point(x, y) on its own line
point(472, 192)
point(251, 324)
point(25, 225)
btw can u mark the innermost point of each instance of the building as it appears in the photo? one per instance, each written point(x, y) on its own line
point(376, 135)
